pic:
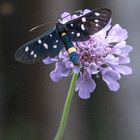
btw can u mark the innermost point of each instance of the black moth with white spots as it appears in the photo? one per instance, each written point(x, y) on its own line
point(51, 42)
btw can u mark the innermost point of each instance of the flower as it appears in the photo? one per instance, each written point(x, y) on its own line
point(105, 52)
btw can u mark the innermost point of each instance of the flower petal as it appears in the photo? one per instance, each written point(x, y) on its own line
point(113, 85)
point(117, 48)
point(74, 16)
point(117, 34)
point(111, 77)
point(123, 69)
point(49, 60)
point(59, 72)
point(121, 49)
point(65, 14)
point(76, 69)
point(65, 17)
point(86, 11)
point(85, 84)
point(99, 36)
point(109, 73)
point(124, 60)
point(92, 69)
point(126, 50)
point(111, 59)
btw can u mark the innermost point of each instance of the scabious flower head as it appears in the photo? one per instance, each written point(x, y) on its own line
point(105, 52)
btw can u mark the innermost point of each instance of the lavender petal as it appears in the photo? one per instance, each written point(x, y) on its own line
point(85, 84)
point(59, 72)
point(126, 50)
point(109, 73)
point(86, 11)
point(49, 60)
point(74, 16)
point(92, 69)
point(123, 69)
point(117, 48)
point(124, 60)
point(66, 16)
point(113, 85)
point(111, 77)
point(121, 49)
point(111, 59)
point(117, 34)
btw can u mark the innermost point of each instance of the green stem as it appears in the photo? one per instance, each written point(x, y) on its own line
point(66, 109)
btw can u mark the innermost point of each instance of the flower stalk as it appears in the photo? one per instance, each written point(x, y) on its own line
point(66, 109)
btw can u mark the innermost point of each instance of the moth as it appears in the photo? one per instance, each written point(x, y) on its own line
point(62, 36)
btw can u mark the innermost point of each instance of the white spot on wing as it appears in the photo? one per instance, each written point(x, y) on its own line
point(96, 25)
point(96, 20)
point(72, 33)
point(71, 25)
point(27, 49)
point(83, 19)
point(97, 14)
point(82, 27)
point(78, 34)
point(32, 52)
point(54, 46)
point(39, 41)
point(56, 41)
point(45, 45)
point(35, 56)
point(50, 35)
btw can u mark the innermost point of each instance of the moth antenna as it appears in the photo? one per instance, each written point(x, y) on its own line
point(38, 26)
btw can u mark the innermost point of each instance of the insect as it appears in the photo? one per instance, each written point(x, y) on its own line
point(62, 35)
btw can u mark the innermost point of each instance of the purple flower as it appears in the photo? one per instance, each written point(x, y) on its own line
point(105, 52)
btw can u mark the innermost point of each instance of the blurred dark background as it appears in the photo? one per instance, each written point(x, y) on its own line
point(31, 104)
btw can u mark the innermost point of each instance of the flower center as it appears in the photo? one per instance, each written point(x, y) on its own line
point(86, 58)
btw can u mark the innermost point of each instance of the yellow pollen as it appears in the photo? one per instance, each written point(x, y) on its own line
point(63, 34)
point(72, 49)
